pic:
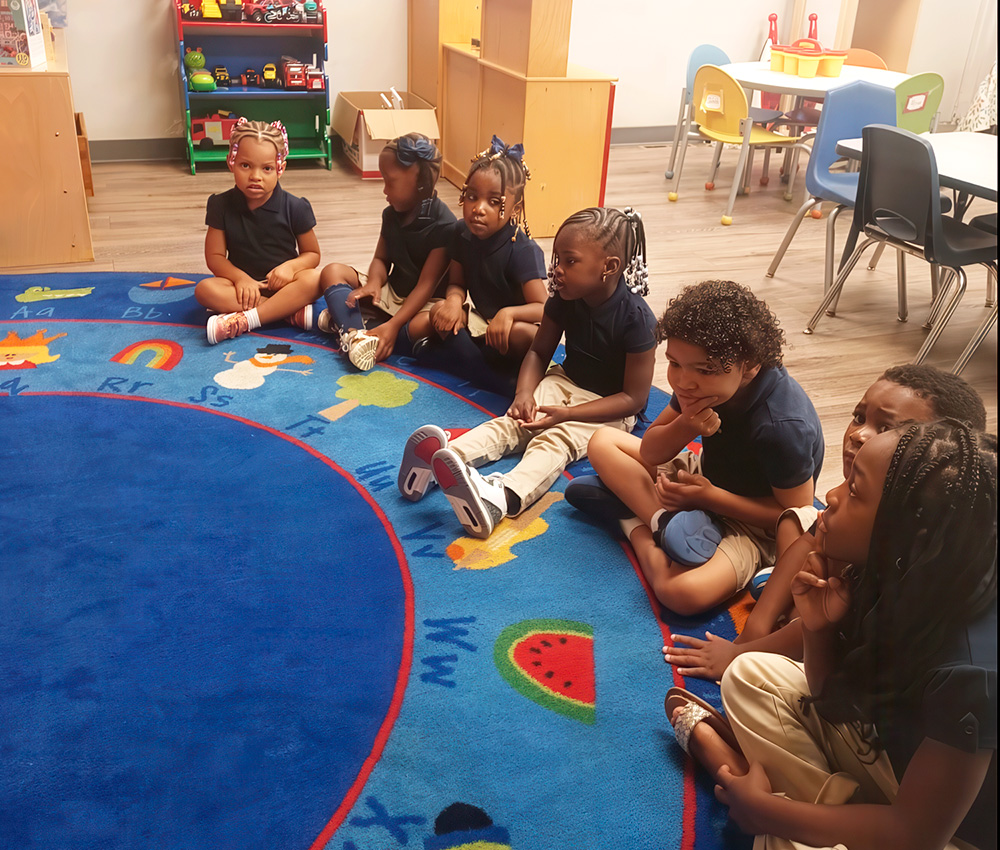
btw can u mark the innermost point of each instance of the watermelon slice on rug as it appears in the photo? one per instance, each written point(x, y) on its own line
point(551, 662)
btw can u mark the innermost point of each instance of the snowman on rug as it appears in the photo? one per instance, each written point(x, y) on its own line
point(250, 374)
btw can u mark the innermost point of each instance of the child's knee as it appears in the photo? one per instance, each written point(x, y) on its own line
point(335, 273)
point(601, 442)
point(679, 596)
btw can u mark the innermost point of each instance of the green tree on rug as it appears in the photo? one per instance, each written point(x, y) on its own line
point(373, 389)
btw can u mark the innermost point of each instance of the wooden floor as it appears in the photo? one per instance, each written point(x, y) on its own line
point(150, 217)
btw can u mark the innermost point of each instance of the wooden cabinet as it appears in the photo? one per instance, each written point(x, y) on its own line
point(564, 123)
point(432, 24)
point(43, 217)
point(530, 37)
point(245, 49)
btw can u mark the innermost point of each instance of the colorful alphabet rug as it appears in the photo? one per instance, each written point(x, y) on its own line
point(222, 626)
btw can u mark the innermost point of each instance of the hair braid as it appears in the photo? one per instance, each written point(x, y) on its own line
point(620, 233)
point(274, 133)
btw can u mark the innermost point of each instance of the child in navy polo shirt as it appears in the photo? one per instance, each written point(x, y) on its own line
point(410, 259)
point(598, 276)
point(261, 245)
point(762, 450)
point(496, 290)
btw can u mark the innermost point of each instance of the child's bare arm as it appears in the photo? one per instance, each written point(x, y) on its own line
point(448, 317)
point(533, 367)
point(776, 599)
point(308, 258)
point(247, 289)
point(628, 402)
point(499, 328)
point(938, 788)
point(673, 430)
point(378, 274)
point(696, 492)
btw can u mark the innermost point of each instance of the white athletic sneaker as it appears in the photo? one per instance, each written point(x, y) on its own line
point(325, 323)
point(415, 477)
point(478, 503)
point(360, 347)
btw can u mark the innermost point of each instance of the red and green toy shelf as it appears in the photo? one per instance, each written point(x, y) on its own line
point(232, 68)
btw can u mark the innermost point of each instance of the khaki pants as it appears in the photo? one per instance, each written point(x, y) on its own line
point(545, 453)
point(805, 757)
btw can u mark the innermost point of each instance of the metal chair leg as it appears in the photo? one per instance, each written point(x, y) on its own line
point(873, 262)
point(727, 217)
point(790, 233)
point(981, 331)
point(902, 312)
point(831, 246)
point(949, 308)
point(944, 285)
point(838, 285)
point(678, 138)
point(672, 196)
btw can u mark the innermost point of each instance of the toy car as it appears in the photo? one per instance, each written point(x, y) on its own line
point(314, 79)
point(213, 130)
point(273, 11)
point(191, 10)
point(221, 75)
point(231, 10)
point(313, 13)
point(250, 77)
point(269, 76)
point(293, 73)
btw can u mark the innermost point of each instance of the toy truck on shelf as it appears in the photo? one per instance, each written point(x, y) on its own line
point(214, 130)
point(293, 73)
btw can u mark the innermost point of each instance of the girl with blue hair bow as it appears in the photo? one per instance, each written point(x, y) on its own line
point(410, 260)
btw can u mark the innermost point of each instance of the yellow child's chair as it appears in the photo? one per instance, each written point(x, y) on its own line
point(721, 113)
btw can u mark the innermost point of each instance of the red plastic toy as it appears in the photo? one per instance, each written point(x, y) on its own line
point(212, 131)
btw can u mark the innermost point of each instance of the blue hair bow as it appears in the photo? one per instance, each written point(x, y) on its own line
point(409, 150)
point(498, 148)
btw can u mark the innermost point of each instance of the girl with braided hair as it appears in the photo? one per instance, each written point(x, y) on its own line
point(410, 260)
point(597, 280)
point(261, 245)
point(894, 707)
point(495, 293)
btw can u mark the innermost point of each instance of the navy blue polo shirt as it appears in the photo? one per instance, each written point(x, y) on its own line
point(496, 268)
point(409, 246)
point(258, 240)
point(598, 339)
point(770, 437)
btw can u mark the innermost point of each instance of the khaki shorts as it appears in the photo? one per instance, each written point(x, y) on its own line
point(804, 516)
point(747, 547)
point(389, 301)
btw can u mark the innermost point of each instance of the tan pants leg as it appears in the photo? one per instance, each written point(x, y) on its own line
point(545, 454)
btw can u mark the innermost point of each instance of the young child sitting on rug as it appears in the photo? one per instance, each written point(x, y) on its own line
point(894, 710)
point(703, 524)
point(260, 244)
point(901, 396)
point(597, 279)
point(411, 257)
point(496, 291)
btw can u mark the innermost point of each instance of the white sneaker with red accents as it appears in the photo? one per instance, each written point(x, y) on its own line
point(478, 503)
point(360, 347)
point(415, 477)
point(302, 318)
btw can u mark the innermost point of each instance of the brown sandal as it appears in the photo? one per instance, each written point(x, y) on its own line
point(694, 710)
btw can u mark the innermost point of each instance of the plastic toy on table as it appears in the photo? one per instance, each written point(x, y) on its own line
point(806, 57)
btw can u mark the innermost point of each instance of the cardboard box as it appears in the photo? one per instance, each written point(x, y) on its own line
point(364, 125)
point(21, 40)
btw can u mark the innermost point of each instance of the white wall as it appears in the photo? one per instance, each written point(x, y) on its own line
point(124, 63)
point(646, 44)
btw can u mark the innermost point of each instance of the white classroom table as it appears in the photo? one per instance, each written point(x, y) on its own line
point(758, 76)
point(966, 162)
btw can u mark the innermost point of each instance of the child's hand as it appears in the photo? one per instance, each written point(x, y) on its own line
point(448, 317)
point(746, 797)
point(687, 492)
point(247, 293)
point(498, 331)
point(701, 417)
point(370, 290)
point(703, 659)
point(280, 276)
point(547, 417)
point(821, 599)
point(386, 340)
point(523, 409)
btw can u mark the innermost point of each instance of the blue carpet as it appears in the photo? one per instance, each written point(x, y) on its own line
point(224, 628)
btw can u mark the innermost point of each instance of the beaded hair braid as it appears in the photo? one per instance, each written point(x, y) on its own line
point(274, 133)
point(509, 163)
point(930, 570)
point(619, 233)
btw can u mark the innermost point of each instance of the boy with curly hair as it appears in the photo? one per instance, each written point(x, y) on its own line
point(762, 450)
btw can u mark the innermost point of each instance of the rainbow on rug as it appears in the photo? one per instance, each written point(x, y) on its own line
point(225, 628)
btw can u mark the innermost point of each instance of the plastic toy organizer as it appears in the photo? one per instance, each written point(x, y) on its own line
point(807, 58)
point(252, 77)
